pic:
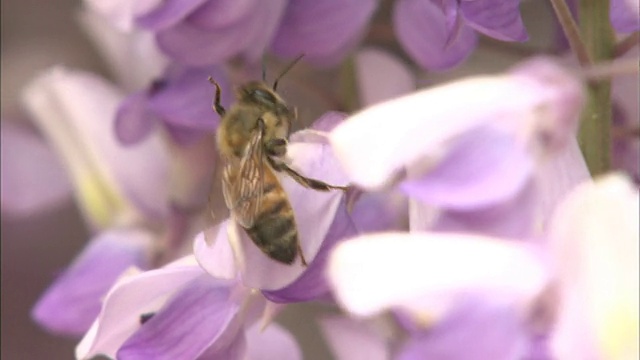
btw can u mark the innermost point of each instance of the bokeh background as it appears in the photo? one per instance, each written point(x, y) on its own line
point(37, 34)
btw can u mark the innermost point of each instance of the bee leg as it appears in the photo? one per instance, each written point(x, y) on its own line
point(302, 259)
point(276, 147)
point(217, 106)
point(308, 182)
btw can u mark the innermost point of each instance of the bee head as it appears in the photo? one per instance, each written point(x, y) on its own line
point(258, 93)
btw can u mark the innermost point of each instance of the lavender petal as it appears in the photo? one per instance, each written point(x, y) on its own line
point(499, 19)
point(167, 14)
point(217, 14)
point(483, 167)
point(70, 305)
point(625, 16)
point(132, 296)
point(274, 342)
point(134, 122)
point(192, 46)
point(321, 29)
point(186, 100)
point(421, 29)
point(186, 326)
point(496, 329)
point(32, 178)
point(511, 219)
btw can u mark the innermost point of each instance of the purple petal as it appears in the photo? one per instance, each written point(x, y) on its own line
point(183, 136)
point(236, 350)
point(353, 340)
point(421, 28)
point(217, 14)
point(32, 178)
point(511, 219)
point(167, 14)
point(625, 15)
point(381, 211)
point(130, 298)
point(274, 342)
point(186, 100)
point(70, 305)
point(134, 122)
point(499, 19)
point(265, 21)
point(186, 326)
point(433, 119)
point(312, 283)
point(314, 213)
point(489, 330)
point(510, 272)
point(375, 67)
point(192, 46)
point(483, 167)
point(322, 29)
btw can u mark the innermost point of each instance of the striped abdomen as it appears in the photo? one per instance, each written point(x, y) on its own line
point(274, 230)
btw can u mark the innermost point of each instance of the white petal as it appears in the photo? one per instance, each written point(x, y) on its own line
point(214, 253)
point(595, 234)
point(122, 13)
point(423, 272)
point(76, 110)
point(132, 55)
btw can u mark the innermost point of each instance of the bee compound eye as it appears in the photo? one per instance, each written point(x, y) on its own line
point(263, 96)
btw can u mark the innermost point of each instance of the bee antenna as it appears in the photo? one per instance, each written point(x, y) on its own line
point(286, 70)
point(264, 69)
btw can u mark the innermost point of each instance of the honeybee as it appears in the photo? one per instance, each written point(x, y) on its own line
point(252, 141)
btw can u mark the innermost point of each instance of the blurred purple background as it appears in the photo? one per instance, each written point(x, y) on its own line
point(37, 34)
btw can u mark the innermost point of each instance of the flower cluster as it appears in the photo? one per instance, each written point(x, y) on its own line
point(471, 217)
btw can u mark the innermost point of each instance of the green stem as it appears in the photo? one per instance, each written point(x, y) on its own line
point(571, 31)
point(349, 85)
point(598, 37)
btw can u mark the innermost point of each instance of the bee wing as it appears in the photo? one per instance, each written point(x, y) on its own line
point(243, 192)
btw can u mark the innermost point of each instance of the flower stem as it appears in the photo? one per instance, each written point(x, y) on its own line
point(571, 31)
point(349, 85)
point(627, 44)
point(598, 37)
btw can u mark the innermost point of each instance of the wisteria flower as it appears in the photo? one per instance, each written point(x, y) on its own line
point(180, 101)
point(441, 34)
point(207, 32)
point(121, 199)
point(469, 159)
point(488, 291)
point(180, 312)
